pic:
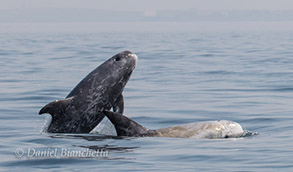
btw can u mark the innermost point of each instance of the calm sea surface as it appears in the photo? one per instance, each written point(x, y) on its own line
point(244, 75)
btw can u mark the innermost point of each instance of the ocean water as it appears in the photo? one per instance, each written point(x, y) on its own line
point(182, 76)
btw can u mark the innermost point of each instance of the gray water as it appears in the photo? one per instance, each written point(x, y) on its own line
point(240, 75)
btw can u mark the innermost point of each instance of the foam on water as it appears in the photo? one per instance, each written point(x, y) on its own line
point(47, 123)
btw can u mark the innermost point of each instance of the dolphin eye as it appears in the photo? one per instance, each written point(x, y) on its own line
point(117, 59)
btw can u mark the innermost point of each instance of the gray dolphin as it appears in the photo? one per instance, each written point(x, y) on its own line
point(201, 130)
point(81, 110)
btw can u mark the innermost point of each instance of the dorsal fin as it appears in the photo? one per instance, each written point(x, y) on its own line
point(125, 126)
point(56, 107)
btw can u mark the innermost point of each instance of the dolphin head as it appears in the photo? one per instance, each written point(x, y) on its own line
point(106, 81)
point(119, 68)
point(231, 129)
point(116, 72)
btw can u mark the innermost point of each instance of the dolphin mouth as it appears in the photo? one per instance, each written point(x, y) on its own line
point(134, 56)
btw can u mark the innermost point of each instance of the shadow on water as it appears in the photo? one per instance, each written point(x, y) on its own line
point(88, 137)
point(97, 145)
point(112, 148)
point(96, 149)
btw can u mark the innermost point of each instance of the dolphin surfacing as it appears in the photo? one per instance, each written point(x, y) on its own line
point(200, 130)
point(81, 110)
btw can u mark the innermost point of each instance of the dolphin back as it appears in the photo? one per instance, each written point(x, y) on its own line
point(200, 130)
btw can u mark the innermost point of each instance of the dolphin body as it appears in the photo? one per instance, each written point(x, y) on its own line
point(81, 110)
point(200, 130)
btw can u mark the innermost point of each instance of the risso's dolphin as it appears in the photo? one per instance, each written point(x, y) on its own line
point(201, 130)
point(81, 110)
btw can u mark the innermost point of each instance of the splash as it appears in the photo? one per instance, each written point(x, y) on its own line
point(47, 123)
point(248, 133)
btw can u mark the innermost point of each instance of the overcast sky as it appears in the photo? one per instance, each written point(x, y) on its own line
point(151, 5)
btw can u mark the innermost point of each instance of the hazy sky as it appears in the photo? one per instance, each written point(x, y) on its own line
point(150, 5)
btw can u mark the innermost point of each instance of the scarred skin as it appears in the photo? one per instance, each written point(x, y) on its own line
point(81, 110)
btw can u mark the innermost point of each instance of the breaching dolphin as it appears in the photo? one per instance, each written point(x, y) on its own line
point(81, 110)
point(201, 130)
